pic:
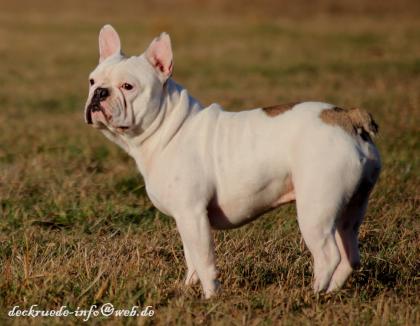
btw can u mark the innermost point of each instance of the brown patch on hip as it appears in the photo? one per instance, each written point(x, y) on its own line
point(275, 110)
point(354, 121)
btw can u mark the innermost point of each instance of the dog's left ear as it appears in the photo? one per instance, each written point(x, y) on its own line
point(159, 54)
point(109, 42)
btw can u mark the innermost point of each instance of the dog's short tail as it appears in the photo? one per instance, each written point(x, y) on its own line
point(363, 122)
point(355, 121)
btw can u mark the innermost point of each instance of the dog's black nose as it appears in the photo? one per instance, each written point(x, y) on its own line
point(101, 93)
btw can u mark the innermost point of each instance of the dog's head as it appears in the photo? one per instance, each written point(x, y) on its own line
point(125, 92)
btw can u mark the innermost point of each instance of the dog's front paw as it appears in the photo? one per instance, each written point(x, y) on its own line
point(213, 290)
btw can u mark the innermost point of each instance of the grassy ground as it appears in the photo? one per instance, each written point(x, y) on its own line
point(76, 227)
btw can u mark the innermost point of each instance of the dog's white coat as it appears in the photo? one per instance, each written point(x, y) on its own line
point(210, 168)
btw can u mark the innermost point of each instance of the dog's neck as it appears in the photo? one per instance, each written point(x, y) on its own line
point(176, 107)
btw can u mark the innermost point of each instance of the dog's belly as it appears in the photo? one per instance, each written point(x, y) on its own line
point(230, 212)
point(251, 163)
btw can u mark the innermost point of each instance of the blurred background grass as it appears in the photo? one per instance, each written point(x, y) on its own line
point(76, 227)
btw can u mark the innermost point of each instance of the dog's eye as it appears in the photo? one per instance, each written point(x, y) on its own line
point(127, 86)
point(91, 82)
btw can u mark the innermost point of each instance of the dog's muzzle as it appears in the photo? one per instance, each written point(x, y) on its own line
point(100, 94)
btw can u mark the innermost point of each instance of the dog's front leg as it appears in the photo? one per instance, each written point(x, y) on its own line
point(191, 276)
point(195, 232)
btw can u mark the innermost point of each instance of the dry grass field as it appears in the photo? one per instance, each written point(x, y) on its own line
point(76, 227)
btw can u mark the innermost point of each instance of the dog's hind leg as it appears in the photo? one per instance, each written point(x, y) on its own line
point(317, 226)
point(318, 205)
point(323, 189)
point(346, 235)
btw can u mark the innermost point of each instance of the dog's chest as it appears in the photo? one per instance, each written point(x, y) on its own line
point(158, 201)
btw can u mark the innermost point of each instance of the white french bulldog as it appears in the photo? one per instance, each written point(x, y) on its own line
point(209, 168)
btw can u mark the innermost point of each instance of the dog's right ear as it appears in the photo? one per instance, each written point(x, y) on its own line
point(109, 42)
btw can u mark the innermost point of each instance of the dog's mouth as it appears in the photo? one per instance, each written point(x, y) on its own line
point(97, 116)
point(93, 107)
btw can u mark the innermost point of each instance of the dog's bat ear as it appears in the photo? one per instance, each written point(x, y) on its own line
point(109, 42)
point(159, 54)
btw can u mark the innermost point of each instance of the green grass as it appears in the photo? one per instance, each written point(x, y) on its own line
point(76, 226)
